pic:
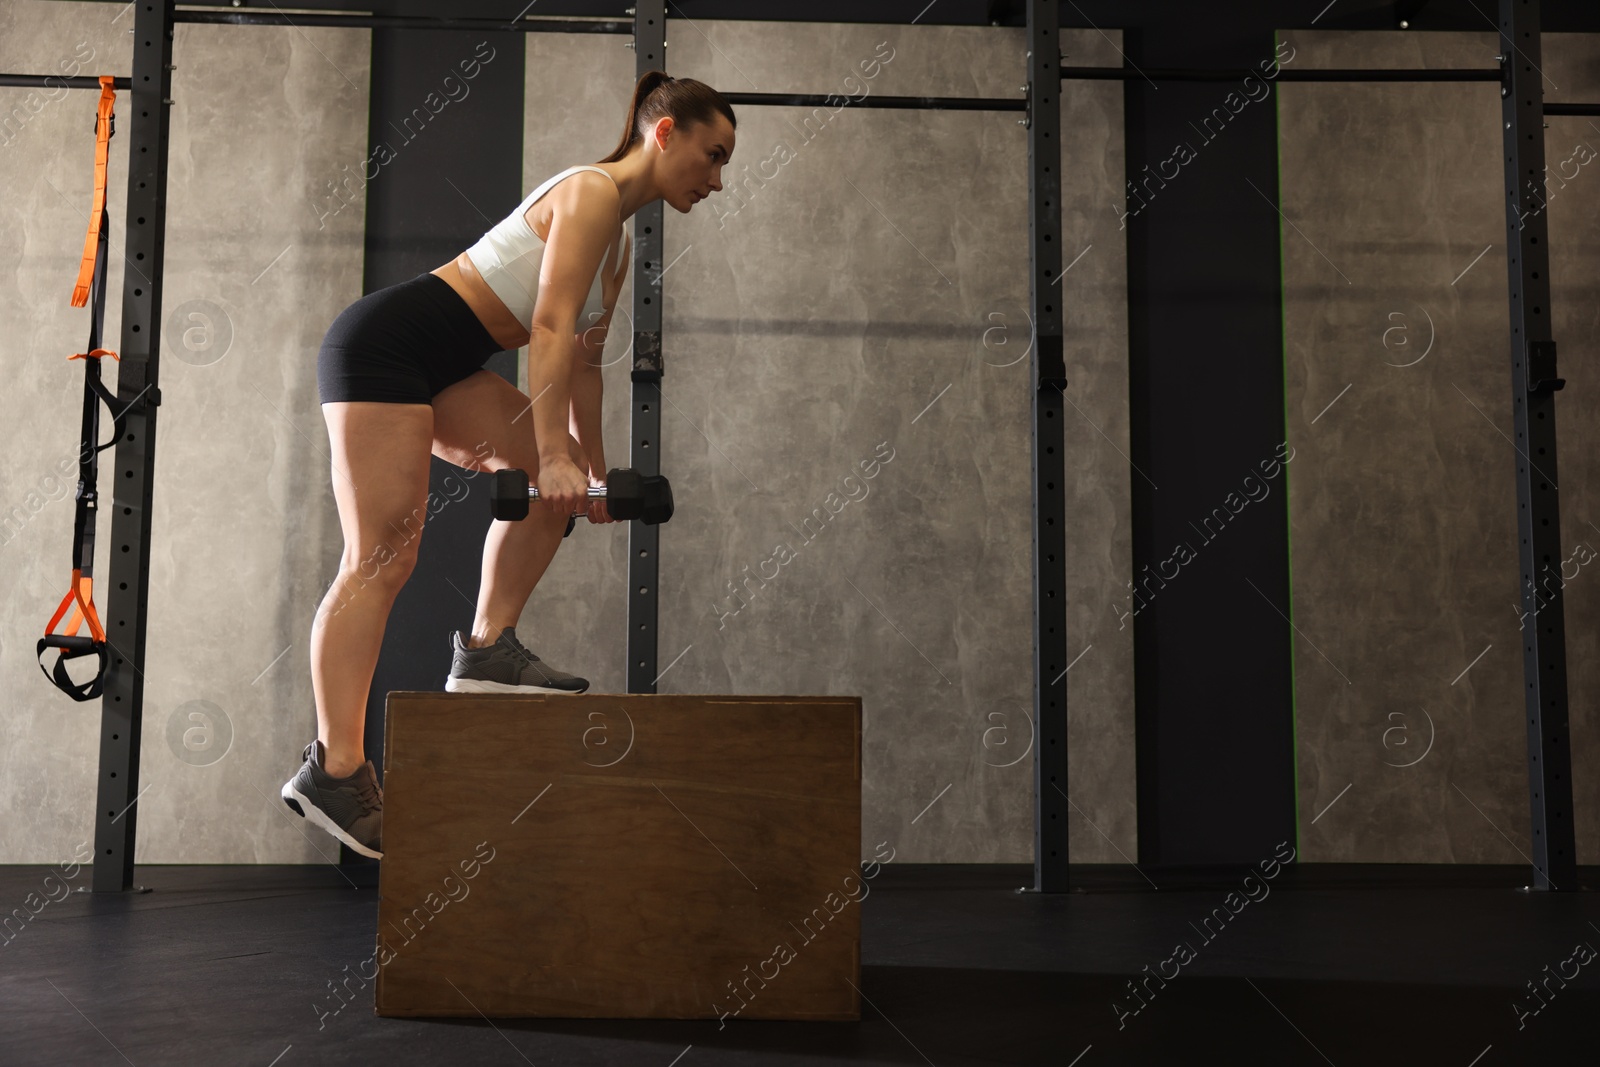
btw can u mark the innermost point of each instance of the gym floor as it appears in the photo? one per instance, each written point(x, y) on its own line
point(1342, 965)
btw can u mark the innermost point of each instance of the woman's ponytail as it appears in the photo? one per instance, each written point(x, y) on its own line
point(659, 95)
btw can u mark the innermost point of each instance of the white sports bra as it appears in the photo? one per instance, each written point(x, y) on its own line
point(509, 256)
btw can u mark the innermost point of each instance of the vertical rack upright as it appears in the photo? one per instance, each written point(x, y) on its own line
point(644, 542)
point(133, 474)
point(1049, 379)
point(1533, 405)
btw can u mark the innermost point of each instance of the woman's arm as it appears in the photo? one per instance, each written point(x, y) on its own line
point(586, 386)
point(581, 229)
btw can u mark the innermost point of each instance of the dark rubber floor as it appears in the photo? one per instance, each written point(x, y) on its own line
point(1335, 965)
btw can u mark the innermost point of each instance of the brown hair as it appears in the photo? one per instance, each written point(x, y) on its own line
point(659, 95)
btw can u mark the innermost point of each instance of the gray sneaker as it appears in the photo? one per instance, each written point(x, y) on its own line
point(350, 809)
point(505, 667)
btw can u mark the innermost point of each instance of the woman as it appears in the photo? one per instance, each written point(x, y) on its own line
point(400, 378)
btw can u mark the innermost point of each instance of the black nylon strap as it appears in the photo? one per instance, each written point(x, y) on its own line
point(74, 648)
point(95, 393)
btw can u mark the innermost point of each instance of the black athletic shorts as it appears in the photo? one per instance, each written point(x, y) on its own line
point(402, 345)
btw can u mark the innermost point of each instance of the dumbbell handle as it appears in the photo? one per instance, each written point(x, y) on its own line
point(596, 492)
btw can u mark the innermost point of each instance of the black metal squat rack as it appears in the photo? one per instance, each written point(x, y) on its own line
point(1533, 357)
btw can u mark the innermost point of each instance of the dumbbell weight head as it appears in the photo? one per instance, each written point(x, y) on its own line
point(631, 495)
point(624, 492)
point(508, 494)
point(657, 500)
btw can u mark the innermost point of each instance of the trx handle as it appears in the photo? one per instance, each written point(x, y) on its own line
point(72, 648)
point(104, 125)
point(81, 600)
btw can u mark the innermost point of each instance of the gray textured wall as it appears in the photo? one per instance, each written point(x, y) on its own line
point(1403, 496)
point(862, 280)
point(244, 533)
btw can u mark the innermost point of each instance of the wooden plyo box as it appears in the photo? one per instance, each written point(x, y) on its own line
point(621, 856)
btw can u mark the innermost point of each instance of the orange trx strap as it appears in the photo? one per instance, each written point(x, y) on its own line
point(104, 123)
point(90, 289)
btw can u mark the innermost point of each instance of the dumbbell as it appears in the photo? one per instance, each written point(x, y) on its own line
point(627, 493)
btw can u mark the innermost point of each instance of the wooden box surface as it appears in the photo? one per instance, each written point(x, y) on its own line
point(621, 856)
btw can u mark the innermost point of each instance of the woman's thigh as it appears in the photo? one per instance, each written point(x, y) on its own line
point(484, 423)
point(380, 480)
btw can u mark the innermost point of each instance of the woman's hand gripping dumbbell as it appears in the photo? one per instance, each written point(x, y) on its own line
point(627, 493)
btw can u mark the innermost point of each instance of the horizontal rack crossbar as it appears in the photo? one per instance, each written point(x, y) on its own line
point(1200, 74)
point(402, 22)
point(932, 103)
point(58, 81)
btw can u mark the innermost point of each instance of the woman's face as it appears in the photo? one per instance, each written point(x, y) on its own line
point(692, 160)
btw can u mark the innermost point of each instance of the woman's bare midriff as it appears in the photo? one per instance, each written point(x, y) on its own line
point(464, 278)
